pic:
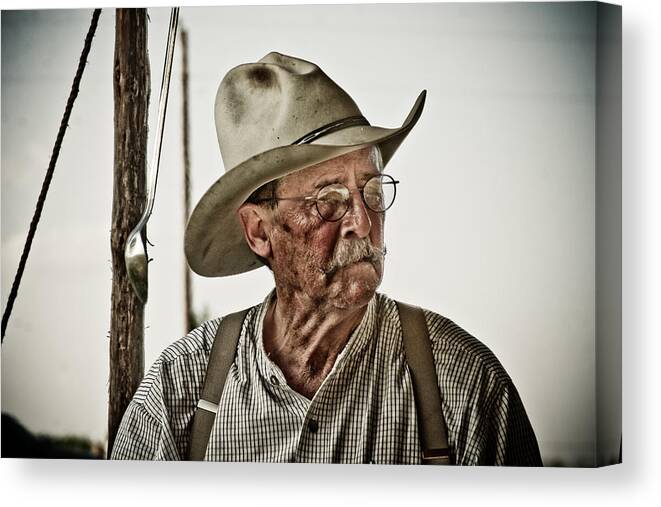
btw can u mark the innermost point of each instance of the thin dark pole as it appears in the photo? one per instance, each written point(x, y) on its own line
point(131, 93)
point(189, 318)
point(75, 86)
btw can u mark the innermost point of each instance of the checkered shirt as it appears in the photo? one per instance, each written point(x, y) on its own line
point(363, 412)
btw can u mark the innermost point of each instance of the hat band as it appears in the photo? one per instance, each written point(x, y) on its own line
point(351, 121)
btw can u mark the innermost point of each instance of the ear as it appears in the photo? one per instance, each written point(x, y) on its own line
point(255, 222)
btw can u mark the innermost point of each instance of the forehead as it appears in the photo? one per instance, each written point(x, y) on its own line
point(356, 163)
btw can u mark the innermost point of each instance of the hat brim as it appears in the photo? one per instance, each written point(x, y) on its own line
point(214, 243)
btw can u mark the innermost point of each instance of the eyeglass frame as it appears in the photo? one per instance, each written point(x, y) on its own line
point(315, 198)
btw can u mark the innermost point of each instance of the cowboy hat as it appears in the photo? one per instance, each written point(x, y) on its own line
point(273, 117)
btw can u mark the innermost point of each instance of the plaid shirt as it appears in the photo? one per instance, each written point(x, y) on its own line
point(364, 411)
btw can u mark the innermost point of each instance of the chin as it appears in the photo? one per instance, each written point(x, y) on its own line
point(355, 289)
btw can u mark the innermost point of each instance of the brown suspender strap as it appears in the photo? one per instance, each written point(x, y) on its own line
point(417, 347)
point(221, 358)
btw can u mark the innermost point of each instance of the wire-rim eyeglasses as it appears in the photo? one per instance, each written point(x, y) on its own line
point(332, 200)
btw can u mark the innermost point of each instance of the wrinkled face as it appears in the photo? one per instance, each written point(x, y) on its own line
point(337, 263)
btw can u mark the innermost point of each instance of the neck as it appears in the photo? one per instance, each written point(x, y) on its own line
point(304, 336)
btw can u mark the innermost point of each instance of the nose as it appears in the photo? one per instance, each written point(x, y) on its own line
point(356, 224)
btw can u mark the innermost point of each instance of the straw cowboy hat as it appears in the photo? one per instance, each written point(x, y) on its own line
point(273, 117)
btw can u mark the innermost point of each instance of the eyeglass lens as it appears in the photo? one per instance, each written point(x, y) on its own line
point(378, 195)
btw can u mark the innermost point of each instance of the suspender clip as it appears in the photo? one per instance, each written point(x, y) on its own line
point(436, 457)
point(208, 406)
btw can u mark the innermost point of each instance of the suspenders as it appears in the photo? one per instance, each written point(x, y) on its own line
point(417, 348)
point(220, 361)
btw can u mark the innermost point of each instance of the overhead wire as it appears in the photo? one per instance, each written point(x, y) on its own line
point(75, 86)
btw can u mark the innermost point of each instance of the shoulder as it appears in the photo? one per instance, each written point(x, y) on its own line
point(157, 421)
point(197, 343)
point(180, 367)
point(178, 372)
point(487, 423)
point(458, 354)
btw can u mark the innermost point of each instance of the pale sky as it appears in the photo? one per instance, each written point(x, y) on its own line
point(493, 225)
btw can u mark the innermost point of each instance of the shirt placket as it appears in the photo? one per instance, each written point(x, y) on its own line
point(310, 448)
point(307, 446)
point(292, 402)
point(316, 431)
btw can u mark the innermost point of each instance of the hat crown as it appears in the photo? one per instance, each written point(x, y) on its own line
point(272, 103)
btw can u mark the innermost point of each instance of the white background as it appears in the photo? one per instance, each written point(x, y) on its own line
point(630, 482)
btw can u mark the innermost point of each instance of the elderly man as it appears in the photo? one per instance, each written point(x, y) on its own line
point(325, 369)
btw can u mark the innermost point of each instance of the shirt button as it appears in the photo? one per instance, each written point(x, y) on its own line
point(274, 380)
point(313, 426)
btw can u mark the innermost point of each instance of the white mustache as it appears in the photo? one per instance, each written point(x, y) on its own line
point(350, 251)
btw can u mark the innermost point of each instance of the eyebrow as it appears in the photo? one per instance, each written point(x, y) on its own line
point(325, 181)
point(362, 178)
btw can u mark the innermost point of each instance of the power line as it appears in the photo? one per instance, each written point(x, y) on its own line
point(51, 169)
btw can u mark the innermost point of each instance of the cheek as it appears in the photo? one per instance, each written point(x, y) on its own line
point(376, 232)
point(322, 243)
point(302, 239)
point(296, 221)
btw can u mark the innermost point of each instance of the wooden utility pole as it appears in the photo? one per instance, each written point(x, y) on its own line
point(190, 318)
point(131, 91)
